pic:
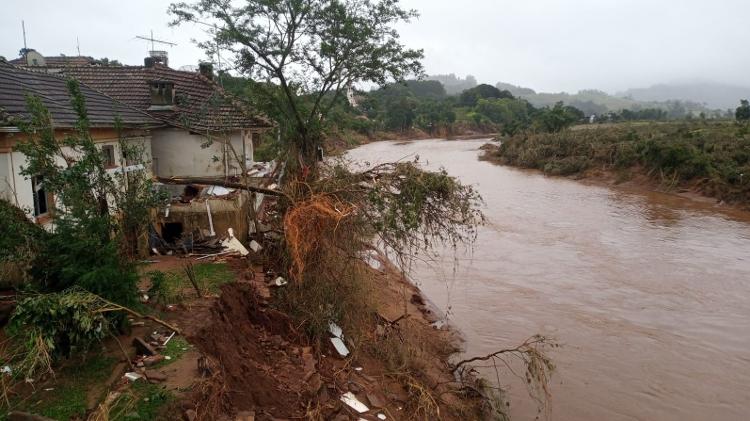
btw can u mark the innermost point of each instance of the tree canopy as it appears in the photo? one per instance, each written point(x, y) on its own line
point(743, 111)
point(305, 53)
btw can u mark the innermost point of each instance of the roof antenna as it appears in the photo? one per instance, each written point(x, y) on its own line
point(23, 27)
point(154, 40)
point(159, 56)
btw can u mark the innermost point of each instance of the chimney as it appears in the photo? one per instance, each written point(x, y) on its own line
point(206, 70)
point(159, 57)
point(149, 62)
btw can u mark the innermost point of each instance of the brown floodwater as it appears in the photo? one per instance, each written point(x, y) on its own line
point(648, 293)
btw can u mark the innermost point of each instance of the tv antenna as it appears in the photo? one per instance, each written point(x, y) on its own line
point(23, 27)
point(153, 41)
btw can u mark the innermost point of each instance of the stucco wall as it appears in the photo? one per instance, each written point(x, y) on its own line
point(177, 153)
point(22, 184)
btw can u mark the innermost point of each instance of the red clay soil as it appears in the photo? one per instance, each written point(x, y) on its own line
point(251, 344)
point(267, 368)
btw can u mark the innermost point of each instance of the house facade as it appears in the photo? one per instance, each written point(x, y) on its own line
point(16, 84)
point(208, 133)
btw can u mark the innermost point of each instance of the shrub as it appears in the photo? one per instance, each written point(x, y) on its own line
point(67, 322)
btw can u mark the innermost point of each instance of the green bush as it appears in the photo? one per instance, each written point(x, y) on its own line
point(713, 153)
point(68, 322)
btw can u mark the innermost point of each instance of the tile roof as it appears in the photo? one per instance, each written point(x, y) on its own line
point(16, 83)
point(201, 104)
point(57, 61)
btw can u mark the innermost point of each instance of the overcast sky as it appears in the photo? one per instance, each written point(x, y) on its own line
point(548, 45)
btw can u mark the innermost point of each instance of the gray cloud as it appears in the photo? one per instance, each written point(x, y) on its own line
point(549, 45)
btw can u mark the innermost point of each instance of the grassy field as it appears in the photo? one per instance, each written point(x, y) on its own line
point(712, 158)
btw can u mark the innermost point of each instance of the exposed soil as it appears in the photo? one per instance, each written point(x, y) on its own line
point(266, 367)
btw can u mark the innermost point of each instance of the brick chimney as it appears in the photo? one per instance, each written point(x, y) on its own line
point(149, 62)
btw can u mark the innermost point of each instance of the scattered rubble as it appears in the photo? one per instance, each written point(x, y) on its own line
point(142, 347)
point(338, 339)
point(352, 401)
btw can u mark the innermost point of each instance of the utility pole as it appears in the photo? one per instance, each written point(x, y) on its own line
point(78, 46)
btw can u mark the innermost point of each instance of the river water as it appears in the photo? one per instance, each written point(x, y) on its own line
point(648, 293)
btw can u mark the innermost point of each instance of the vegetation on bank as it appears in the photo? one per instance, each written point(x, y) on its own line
point(710, 157)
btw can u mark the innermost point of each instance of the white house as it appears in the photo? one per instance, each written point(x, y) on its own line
point(16, 84)
point(208, 132)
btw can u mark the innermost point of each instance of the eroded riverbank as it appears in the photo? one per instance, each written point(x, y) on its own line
point(647, 292)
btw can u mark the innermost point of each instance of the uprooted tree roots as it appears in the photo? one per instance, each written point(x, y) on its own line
point(310, 226)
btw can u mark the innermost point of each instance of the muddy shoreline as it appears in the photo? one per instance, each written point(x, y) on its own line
point(637, 181)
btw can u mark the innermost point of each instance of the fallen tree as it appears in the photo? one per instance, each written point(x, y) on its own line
point(217, 182)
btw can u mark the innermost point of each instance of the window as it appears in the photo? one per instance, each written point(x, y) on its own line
point(40, 196)
point(108, 156)
point(162, 92)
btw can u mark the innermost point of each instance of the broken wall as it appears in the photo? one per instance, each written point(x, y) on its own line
point(226, 212)
point(179, 153)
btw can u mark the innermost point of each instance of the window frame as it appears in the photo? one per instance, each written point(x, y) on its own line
point(40, 195)
point(110, 161)
point(162, 93)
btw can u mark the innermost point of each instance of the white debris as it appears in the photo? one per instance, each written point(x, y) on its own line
point(280, 282)
point(335, 330)
point(218, 191)
point(233, 244)
point(352, 401)
point(132, 376)
point(371, 258)
point(254, 246)
point(438, 324)
point(340, 347)
point(6, 370)
point(382, 416)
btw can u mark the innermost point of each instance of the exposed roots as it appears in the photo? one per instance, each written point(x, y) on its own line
point(310, 225)
point(211, 390)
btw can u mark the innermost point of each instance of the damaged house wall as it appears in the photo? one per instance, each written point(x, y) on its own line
point(229, 211)
point(178, 153)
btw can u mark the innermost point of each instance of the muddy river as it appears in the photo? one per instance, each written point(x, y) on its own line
point(648, 293)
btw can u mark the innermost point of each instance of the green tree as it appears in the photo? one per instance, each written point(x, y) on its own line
point(470, 97)
point(554, 119)
point(743, 111)
point(97, 209)
point(313, 50)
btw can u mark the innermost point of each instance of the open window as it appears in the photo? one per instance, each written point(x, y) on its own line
point(162, 93)
point(42, 199)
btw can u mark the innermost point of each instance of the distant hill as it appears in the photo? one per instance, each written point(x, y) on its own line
point(714, 95)
point(592, 101)
point(453, 84)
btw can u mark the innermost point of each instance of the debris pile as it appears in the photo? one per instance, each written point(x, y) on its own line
point(147, 356)
point(267, 371)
